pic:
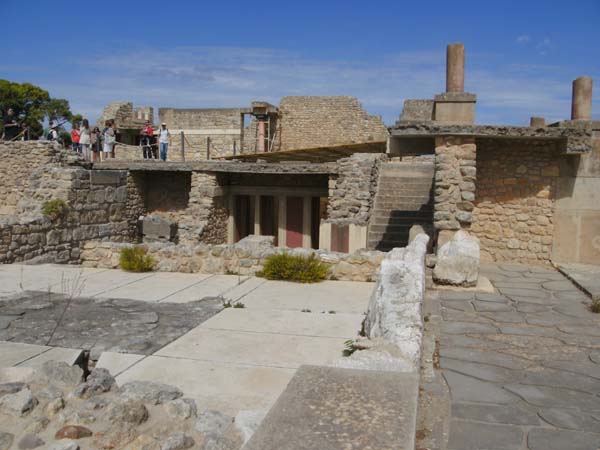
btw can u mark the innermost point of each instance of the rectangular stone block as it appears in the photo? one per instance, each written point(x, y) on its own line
point(108, 177)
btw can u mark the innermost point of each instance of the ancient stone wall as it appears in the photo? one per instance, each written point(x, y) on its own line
point(455, 174)
point(22, 163)
point(220, 125)
point(96, 211)
point(515, 199)
point(239, 258)
point(306, 122)
point(352, 190)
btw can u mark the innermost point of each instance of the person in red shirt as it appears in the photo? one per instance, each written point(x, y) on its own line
point(75, 138)
point(146, 141)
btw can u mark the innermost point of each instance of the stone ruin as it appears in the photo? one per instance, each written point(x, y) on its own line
point(60, 407)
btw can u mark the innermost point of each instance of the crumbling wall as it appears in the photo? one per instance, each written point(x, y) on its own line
point(515, 199)
point(96, 211)
point(352, 190)
point(22, 164)
point(306, 122)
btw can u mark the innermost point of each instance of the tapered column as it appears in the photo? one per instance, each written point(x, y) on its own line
point(281, 232)
point(455, 68)
point(306, 220)
point(581, 107)
point(257, 215)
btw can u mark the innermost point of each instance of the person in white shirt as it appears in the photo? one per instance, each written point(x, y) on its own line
point(164, 139)
point(85, 140)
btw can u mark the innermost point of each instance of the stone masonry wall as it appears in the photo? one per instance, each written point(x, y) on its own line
point(352, 190)
point(306, 122)
point(97, 211)
point(515, 200)
point(223, 121)
point(20, 166)
point(244, 257)
point(455, 174)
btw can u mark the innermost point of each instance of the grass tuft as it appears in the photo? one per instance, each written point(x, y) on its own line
point(136, 259)
point(294, 268)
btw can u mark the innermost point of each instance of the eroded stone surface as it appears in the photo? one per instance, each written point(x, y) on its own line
point(98, 325)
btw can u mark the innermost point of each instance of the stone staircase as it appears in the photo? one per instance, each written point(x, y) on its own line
point(404, 198)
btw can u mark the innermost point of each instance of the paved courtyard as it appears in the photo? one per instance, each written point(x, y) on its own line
point(171, 327)
point(521, 366)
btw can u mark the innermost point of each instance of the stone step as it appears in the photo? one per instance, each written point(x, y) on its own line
point(376, 229)
point(307, 414)
point(402, 190)
point(402, 204)
point(393, 236)
point(386, 246)
point(388, 217)
point(390, 222)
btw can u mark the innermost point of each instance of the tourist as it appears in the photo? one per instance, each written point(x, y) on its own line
point(164, 139)
point(53, 134)
point(96, 143)
point(85, 140)
point(11, 127)
point(146, 140)
point(46, 132)
point(115, 131)
point(25, 134)
point(75, 137)
point(109, 140)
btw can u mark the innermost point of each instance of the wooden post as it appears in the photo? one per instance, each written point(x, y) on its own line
point(182, 146)
point(208, 147)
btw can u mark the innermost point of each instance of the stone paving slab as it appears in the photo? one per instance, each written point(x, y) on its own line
point(586, 276)
point(341, 409)
point(521, 367)
point(13, 353)
point(159, 286)
point(19, 277)
point(214, 286)
point(338, 296)
point(31, 355)
point(117, 363)
point(228, 388)
point(260, 349)
point(287, 322)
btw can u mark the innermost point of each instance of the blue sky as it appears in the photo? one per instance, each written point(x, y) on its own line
point(521, 56)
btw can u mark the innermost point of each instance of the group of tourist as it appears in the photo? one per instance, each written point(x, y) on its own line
point(93, 144)
point(149, 148)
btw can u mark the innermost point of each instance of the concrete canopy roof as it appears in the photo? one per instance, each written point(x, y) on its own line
point(573, 139)
point(313, 155)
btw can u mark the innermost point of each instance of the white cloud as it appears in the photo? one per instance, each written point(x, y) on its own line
point(523, 39)
point(197, 77)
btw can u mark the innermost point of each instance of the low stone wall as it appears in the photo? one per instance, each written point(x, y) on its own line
point(97, 210)
point(19, 170)
point(246, 257)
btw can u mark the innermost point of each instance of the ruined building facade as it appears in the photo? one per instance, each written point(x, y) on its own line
point(322, 175)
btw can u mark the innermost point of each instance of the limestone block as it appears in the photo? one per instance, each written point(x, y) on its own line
point(458, 261)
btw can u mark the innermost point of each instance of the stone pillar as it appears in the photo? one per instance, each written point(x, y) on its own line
point(537, 122)
point(260, 145)
point(581, 106)
point(455, 174)
point(455, 67)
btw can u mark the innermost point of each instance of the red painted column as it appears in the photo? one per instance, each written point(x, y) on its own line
point(261, 136)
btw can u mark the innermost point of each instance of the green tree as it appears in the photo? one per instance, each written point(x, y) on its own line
point(32, 105)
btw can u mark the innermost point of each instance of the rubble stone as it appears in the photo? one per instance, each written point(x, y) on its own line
point(458, 261)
